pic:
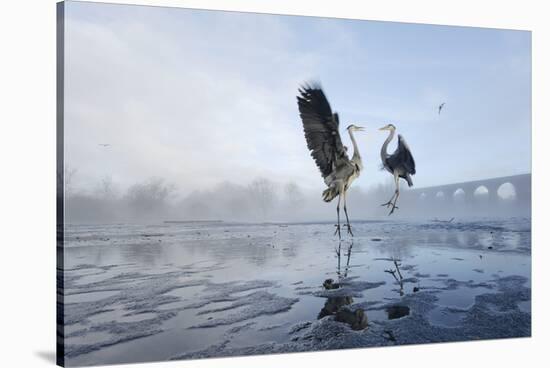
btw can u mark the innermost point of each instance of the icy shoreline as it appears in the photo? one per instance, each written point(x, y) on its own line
point(220, 290)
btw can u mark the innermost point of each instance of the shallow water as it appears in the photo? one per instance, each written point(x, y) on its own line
point(155, 292)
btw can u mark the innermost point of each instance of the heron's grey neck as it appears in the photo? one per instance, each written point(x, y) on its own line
point(356, 156)
point(384, 150)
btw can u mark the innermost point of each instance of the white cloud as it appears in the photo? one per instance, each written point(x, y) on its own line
point(200, 98)
point(174, 107)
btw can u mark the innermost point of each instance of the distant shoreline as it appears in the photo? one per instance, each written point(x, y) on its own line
point(191, 221)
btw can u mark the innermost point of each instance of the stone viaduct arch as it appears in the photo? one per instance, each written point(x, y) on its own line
point(445, 193)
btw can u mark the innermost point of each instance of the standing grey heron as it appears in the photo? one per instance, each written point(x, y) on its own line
point(325, 145)
point(400, 163)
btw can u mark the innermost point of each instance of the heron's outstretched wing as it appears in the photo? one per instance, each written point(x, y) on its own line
point(402, 157)
point(321, 129)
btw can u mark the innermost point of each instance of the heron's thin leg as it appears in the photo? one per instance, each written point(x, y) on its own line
point(390, 202)
point(346, 213)
point(338, 215)
point(396, 195)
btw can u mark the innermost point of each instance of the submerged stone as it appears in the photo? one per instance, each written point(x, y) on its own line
point(356, 319)
point(397, 311)
point(329, 284)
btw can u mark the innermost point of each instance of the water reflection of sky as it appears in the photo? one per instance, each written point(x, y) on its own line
point(299, 258)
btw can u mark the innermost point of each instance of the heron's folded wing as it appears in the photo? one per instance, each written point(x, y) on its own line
point(405, 155)
point(320, 129)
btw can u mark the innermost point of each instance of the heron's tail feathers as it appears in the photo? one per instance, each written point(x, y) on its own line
point(329, 194)
point(409, 180)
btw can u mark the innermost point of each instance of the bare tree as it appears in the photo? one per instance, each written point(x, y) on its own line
point(233, 200)
point(262, 193)
point(68, 177)
point(149, 196)
point(294, 196)
point(106, 189)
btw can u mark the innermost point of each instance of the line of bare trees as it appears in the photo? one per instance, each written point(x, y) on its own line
point(155, 200)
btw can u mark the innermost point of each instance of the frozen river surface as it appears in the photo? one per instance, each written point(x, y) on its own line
point(190, 290)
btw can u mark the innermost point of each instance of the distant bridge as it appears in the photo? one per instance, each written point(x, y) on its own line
point(481, 195)
point(520, 183)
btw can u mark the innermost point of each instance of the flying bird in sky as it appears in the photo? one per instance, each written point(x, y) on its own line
point(325, 145)
point(441, 107)
point(104, 144)
point(400, 163)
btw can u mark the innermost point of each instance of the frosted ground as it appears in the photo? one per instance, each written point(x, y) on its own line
point(191, 290)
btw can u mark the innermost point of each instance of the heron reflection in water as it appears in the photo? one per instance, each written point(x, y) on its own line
point(337, 305)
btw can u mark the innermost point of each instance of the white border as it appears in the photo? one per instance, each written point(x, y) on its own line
point(27, 116)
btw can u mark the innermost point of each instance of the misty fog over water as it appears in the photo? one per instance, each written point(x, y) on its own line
point(263, 200)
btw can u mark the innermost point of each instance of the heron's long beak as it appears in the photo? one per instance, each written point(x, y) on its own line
point(360, 128)
point(383, 128)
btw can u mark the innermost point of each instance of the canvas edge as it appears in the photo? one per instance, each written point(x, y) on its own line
point(60, 163)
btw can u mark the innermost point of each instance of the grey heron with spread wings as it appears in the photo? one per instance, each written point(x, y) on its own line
point(325, 145)
point(400, 163)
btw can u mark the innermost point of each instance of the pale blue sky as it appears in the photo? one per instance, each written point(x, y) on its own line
point(200, 97)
